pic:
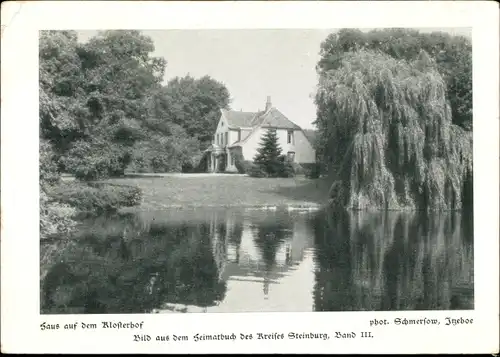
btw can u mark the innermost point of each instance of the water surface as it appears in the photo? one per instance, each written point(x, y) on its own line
point(232, 260)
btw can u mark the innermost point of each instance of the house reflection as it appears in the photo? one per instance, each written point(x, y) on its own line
point(258, 248)
point(252, 252)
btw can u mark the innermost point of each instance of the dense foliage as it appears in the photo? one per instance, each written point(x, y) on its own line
point(312, 171)
point(452, 56)
point(194, 105)
point(93, 97)
point(55, 217)
point(165, 154)
point(104, 108)
point(386, 130)
point(241, 164)
point(97, 198)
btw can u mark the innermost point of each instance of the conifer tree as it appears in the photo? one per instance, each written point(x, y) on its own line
point(268, 154)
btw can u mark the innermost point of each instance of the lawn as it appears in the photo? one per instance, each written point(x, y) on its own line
point(227, 191)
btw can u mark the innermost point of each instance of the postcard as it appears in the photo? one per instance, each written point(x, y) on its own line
point(250, 177)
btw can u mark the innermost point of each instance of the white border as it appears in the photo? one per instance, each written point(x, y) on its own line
point(20, 248)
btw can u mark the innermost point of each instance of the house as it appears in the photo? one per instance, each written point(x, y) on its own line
point(239, 134)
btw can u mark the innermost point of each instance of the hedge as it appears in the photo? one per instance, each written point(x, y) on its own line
point(97, 197)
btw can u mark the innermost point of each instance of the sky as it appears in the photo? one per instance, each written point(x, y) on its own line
point(253, 64)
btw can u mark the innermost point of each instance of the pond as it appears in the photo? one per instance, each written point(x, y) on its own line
point(232, 260)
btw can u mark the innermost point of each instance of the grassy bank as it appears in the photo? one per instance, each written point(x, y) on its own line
point(226, 191)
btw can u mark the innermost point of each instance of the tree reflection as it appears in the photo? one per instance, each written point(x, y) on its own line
point(393, 261)
point(135, 271)
point(269, 235)
point(333, 288)
point(235, 235)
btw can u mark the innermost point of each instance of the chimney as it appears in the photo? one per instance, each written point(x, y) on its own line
point(268, 103)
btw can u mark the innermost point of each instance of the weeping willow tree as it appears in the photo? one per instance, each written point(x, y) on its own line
point(387, 261)
point(387, 138)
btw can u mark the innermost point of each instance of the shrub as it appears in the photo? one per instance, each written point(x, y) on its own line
point(140, 164)
point(97, 198)
point(55, 217)
point(241, 165)
point(187, 167)
point(256, 171)
point(247, 165)
point(165, 154)
point(312, 171)
point(222, 163)
point(96, 160)
point(48, 168)
point(286, 167)
point(298, 169)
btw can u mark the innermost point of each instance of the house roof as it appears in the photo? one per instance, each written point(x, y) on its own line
point(275, 119)
point(272, 118)
point(311, 135)
point(238, 119)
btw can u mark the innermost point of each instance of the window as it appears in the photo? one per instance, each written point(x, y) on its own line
point(290, 137)
point(226, 140)
point(291, 156)
point(232, 160)
point(239, 135)
point(217, 139)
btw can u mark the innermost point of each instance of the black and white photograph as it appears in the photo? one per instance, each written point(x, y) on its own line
point(256, 170)
point(257, 177)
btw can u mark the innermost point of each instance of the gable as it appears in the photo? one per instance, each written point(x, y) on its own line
point(221, 123)
point(274, 118)
point(237, 119)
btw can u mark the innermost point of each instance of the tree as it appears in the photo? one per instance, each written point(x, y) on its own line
point(268, 156)
point(61, 101)
point(387, 133)
point(103, 106)
point(120, 75)
point(452, 54)
point(94, 96)
point(195, 104)
point(165, 153)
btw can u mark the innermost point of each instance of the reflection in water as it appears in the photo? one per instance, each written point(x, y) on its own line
point(393, 261)
point(234, 261)
point(269, 235)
